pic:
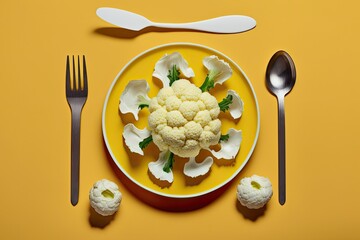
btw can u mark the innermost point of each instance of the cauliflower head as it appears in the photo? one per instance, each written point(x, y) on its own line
point(254, 192)
point(183, 119)
point(105, 197)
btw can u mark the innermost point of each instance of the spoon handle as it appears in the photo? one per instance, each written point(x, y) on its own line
point(224, 24)
point(281, 149)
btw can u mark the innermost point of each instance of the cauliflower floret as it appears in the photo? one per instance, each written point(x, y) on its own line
point(189, 109)
point(185, 90)
point(183, 119)
point(154, 105)
point(203, 117)
point(190, 146)
point(208, 139)
point(160, 127)
point(157, 117)
point(164, 94)
point(174, 137)
point(159, 141)
point(254, 192)
point(209, 101)
point(175, 119)
point(214, 113)
point(211, 104)
point(193, 130)
point(213, 126)
point(201, 105)
point(105, 197)
point(172, 103)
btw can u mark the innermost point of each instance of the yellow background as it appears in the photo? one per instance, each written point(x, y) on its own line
point(322, 116)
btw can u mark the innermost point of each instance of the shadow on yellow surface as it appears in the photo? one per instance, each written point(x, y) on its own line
point(197, 180)
point(98, 221)
point(118, 32)
point(251, 214)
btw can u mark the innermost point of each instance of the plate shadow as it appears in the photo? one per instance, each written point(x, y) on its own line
point(164, 203)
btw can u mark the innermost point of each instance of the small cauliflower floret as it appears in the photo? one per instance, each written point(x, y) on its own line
point(214, 113)
point(160, 127)
point(172, 103)
point(209, 101)
point(105, 197)
point(174, 137)
point(157, 117)
point(175, 119)
point(185, 90)
point(189, 109)
point(180, 87)
point(154, 105)
point(203, 117)
point(190, 149)
point(164, 94)
point(193, 130)
point(208, 139)
point(213, 126)
point(254, 192)
point(201, 105)
point(159, 141)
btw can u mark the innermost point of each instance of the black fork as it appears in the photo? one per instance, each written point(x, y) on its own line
point(76, 95)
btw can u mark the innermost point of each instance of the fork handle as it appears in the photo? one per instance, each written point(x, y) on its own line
point(75, 154)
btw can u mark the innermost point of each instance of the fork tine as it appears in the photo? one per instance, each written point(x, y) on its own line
point(79, 75)
point(85, 75)
point(68, 84)
point(74, 82)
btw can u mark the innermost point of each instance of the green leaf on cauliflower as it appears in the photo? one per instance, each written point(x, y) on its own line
point(144, 143)
point(174, 74)
point(143, 105)
point(169, 163)
point(208, 84)
point(218, 72)
point(225, 103)
point(143, 102)
point(224, 138)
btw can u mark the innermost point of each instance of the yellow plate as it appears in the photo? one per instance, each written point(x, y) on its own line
point(135, 167)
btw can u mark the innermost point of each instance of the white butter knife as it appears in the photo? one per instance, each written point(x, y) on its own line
point(136, 22)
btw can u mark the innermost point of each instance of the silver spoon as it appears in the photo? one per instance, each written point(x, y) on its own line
point(280, 79)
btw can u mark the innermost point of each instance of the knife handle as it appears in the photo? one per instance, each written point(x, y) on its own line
point(224, 24)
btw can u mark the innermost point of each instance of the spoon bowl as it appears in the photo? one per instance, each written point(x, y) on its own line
point(280, 79)
point(280, 74)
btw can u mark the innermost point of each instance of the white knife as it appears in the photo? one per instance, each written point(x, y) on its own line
point(136, 22)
